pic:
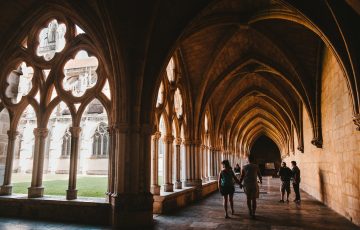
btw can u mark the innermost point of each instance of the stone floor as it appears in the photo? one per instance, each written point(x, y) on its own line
point(16, 224)
point(208, 214)
point(271, 215)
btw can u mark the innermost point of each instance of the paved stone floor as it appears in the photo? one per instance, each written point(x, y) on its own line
point(271, 215)
point(208, 214)
point(16, 224)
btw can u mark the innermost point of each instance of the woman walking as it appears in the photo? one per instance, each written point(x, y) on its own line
point(226, 186)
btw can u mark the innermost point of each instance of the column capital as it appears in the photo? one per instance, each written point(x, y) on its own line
point(12, 134)
point(178, 141)
point(356, 120)
point(75, 131)
point(157, 135)
point(168, 139)
point(41, 132)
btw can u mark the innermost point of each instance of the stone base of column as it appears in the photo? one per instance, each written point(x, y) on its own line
point(108, 197)
point(35, 192)
point(5, 190)
point(178, 185)
point(168, 187)
point(212, 178)
point(71, 194)
point(155, 189)
point(133, 211)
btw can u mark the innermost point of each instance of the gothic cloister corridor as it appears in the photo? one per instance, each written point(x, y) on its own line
point(208, 214)
point(119, 113)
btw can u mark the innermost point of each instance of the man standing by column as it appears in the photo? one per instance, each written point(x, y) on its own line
point(285, 174)
point(296, 181)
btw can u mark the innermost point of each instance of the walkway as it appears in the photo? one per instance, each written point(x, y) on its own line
point(271, 215)
point(208, 214)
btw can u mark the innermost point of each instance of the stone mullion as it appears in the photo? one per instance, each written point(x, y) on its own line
point(178, 184)
point(6, 188)
point(121, 142)
point(71, 193)
point(36, 189)
point(155, 187)
point(111, 148)
point(168, 185)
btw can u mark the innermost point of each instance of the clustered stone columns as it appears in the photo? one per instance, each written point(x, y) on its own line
point(155, 187)
point(36, 189)
point(212, 163)
point(6, 188)
point(178, 184)
point(187, 179)
point(168, 162)
point(71, 193)
point(205, 163)
point(131, 201)
point(197, 164)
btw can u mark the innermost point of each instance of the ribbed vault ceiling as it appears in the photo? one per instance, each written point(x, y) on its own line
point(253, 74)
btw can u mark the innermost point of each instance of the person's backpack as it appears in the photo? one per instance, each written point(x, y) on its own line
point(226, 179)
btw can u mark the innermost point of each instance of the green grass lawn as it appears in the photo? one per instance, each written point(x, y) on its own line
point(87, 186)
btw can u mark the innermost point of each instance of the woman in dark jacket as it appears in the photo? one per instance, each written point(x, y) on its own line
point(226, 185)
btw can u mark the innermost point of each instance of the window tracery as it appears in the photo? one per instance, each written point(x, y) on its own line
point(100, 141)
point(50, 79)
point(51, 40)
point(66, 145)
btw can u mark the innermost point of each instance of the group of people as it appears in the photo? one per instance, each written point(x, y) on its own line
point(286, 175)
point(249, 179)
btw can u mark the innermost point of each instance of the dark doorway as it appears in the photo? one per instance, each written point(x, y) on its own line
point(267, 155)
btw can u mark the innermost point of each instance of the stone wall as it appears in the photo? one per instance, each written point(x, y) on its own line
point(332, 174)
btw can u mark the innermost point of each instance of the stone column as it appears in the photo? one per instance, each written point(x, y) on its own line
point(213, 164)
point(168, 185)
point(178, 184)
point(71, 193)
point(155, 187)
point(112, 146)
point(203, 165)
point(6, 188)
point(205, 162)
point(197, 163)
point(187, 163)
point(218, 162)
point(132, 202)
point(36, 189)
